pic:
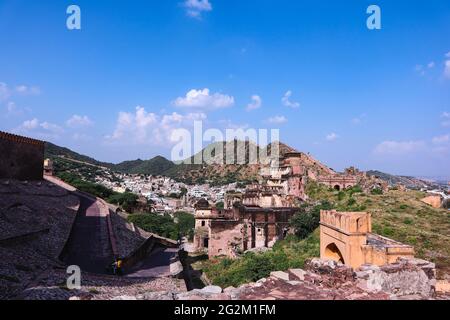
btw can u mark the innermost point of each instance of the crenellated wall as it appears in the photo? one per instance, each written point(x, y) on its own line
point(21, 158)
point(347, 237)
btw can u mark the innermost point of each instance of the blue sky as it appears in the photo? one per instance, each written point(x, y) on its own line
point(137, 70)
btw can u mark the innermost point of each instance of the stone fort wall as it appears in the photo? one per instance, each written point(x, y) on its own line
point(21, 158)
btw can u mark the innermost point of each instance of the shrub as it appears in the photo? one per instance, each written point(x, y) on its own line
point(220, 205)
point(161, 225)
point(185, 224)
point(289, 253)
point(165, 225)
point(126, 200)
point(408, 221)
point(306, 220)
point(376, 191)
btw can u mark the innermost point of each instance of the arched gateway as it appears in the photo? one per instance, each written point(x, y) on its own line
point(332, 252)
point(346, 237)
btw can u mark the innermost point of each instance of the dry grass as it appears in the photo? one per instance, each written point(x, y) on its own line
point(400, 215)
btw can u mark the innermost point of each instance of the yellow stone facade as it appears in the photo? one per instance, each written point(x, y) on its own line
point(347, 237)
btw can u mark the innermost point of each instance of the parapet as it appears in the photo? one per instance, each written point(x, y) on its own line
point(347, 222)
point(20, 139)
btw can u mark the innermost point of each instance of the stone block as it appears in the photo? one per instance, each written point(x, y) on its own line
point(280, 275)
point(297, 274)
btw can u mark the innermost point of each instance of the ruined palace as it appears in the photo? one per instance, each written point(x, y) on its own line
point(338, 182)
point(21, 158)
point(256, 218)
point(347, 237)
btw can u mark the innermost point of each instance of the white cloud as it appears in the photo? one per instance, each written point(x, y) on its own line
point(277, 120)
point(51, 127)
point(358, 120)
point(11, 107)
point(255, 104)
point(4, 91)
point(420, 69)
point(332, 137)
point(195, 8)
point(143, 128)
point(41, 130)
point(203, 100)
point(446, 119)
point(26, 90)
point(229, 124)
point(398, 147)
point(77, 121)
point(30, 124)
point(447, 69)
point(81, 137)
point(447, 54)
point(431, 65)
point(441, 139)
point(287, 102)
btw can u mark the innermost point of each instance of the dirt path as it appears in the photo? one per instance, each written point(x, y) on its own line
point(155, 265)
point(89, 246)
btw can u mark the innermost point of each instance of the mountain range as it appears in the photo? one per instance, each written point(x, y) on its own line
point(212, 170)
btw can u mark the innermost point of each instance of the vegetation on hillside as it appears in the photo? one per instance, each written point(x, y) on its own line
point(396, 214)
point(127, 201)
point(182, 225)
point(53, 151)
point(399, 215)
point(288, 253)
point(156, 166)
point(86, 186)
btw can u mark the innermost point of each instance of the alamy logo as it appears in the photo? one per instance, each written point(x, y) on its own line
point(374, 20)
point(74, 280)
point(74, 20)
point(239, 146)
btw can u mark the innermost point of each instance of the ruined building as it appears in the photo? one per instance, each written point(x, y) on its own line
point(48, 167)
point(230, 231)
point(21, 158)
point(258, 217)
point(347, 237)
point(352, 177)
point(338, 182)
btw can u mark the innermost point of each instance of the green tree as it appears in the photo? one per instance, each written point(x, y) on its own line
point(307, 219)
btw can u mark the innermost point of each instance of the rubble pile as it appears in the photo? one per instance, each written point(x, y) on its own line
point(411, 279)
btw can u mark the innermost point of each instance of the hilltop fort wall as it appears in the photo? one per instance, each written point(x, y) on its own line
point(21, 158)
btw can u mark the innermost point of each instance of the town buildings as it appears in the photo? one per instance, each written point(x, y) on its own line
point(255, 218)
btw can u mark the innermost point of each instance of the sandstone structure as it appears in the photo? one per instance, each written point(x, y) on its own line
point(338, 182)
point(231, 231)
point(22, 158)
point(48, 167)
point(435, 201)
point(350, 178)
point(347, 237)
point(257, 218)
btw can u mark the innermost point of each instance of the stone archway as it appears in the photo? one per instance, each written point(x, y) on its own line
point(337, 187)
point(332, 252)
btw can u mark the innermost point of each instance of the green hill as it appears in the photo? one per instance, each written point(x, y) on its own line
point(53, 152)
point(156, 166)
